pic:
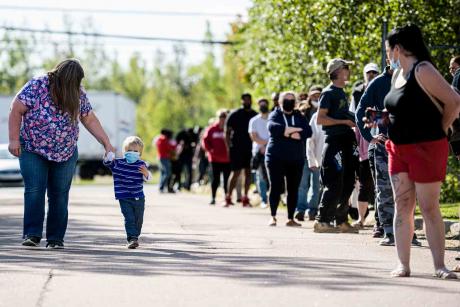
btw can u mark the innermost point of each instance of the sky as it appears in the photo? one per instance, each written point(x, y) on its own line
point(173, 26)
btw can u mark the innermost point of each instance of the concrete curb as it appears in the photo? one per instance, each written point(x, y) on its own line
point(452, 228)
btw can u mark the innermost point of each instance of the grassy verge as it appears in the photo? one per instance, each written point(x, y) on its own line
point(448, 211)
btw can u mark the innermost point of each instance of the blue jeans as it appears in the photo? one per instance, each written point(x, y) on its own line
point(54, 178)
point(133, 212)
point(309, 189)
point(165, 168)
point(262, 184)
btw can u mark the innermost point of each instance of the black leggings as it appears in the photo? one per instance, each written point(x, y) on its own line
point(217, 169)
point(277, 171)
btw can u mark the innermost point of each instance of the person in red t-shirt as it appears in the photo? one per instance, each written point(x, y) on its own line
point(165, 149)
point(216, 148)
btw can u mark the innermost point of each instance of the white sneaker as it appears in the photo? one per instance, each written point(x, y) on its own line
point(263, 205)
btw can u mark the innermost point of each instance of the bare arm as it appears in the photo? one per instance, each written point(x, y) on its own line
point(325, 120)
point(92, 124)
point(228, 133)
point(438, 87)
point(255, 138)
point(14, 125)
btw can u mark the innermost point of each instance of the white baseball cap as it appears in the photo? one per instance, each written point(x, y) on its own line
point(371, 67)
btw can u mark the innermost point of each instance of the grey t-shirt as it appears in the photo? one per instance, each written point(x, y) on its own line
point(335, 100)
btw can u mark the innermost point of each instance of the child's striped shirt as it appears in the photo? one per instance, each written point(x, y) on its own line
point(127, 178)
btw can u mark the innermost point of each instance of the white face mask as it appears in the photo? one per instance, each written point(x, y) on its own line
point(314, 103)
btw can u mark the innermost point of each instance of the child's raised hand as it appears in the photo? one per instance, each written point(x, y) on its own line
point(109, 157)
point(143, 169)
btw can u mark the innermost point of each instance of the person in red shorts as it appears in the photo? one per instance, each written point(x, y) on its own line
point(421, 106)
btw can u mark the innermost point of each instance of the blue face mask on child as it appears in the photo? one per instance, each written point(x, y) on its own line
point(132, 156)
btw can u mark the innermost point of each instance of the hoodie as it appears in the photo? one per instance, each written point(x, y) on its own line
point(284, 148)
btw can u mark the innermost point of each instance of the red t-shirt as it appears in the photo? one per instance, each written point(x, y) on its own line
point(214, 143)
point(164, 147)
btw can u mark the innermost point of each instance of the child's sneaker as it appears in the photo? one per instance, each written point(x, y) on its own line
point(31, 241)
point(133, 244)
point(55, 245)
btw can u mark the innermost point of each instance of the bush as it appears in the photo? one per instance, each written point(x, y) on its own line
point(450, 189)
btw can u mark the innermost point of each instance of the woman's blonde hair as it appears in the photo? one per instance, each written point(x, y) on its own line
point(65, 81)
point(133, 140)
point(221, 111)
point(284, 94)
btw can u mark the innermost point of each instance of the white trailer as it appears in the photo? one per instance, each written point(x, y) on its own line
point(117, 115)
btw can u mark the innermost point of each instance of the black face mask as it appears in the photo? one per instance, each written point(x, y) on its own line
point(246, 106)
point(288, 105)
point(263, 109)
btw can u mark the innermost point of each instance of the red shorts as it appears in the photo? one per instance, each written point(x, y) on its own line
point(424, 162)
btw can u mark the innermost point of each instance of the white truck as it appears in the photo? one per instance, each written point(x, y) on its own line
point(117, 115)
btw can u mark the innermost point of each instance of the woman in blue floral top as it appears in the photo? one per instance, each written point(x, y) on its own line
point(43, 133)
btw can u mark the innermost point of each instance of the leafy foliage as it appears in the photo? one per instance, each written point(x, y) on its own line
point(287, 44)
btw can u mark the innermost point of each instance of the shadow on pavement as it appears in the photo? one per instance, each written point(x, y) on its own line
point(98, 249)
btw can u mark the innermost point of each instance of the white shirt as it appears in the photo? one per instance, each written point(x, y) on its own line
point(258, 124)
point(315, 143)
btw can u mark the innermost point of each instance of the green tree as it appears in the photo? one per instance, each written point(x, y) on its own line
point(15, 65)
point(286, 44)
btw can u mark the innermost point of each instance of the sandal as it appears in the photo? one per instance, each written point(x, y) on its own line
point(457, 268)
point(272, 222)
point(445, 274)
point(292, 223)
point(400, 272)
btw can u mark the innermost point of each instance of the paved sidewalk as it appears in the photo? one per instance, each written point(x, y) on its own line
point(195, 255)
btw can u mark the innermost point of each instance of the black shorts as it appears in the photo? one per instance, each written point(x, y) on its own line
point(240, 160)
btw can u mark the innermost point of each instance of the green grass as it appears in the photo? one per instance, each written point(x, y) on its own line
point(448, 211)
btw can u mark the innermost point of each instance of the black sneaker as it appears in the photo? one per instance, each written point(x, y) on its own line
point(212, 202)
point(377, 232)
point(388, 240)
point(311, 216)
point(31, 241)
point(55, 245)
point(132, 244)
point(415, 241)
point(300, 216)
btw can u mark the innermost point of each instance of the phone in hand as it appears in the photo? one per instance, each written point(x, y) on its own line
point(373, 115)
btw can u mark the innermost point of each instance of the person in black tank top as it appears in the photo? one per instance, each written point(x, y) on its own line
point(421, 107)
point(413, 116)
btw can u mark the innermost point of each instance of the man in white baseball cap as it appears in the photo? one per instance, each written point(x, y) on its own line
point(370, 71)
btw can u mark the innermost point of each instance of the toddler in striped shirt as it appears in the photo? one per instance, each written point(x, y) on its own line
point(129, 174)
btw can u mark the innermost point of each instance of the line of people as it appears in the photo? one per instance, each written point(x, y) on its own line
point(316, 150)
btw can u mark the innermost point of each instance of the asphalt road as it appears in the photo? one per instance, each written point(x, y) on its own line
point(195, 255)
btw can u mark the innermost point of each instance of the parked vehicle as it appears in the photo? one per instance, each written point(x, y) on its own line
point(117, 114)
point(9, 166)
